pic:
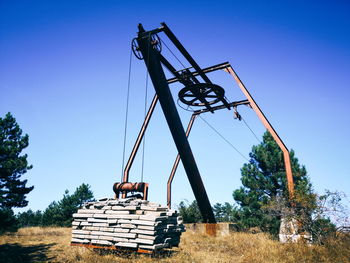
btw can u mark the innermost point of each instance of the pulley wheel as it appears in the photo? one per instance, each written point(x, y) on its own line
point(155, 43)
point(201, 94)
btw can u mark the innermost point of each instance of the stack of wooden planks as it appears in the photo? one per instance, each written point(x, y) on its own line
point(127, 223)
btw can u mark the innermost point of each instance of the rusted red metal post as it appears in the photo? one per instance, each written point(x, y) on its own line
point(177, 161)
point(138, 141)
point(139, 138)
point(269, 127)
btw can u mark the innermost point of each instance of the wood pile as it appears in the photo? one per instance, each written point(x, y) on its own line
point(127, 223)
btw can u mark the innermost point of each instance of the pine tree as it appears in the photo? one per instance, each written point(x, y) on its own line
point(60, 213)
point(30, 218)
point(264, 184)
point(190, 212)
point(224, 212)
point(13, 165)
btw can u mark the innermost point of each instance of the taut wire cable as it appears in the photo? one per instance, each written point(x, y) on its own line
point(145, 110)
point(126, 114)
point(251, 130)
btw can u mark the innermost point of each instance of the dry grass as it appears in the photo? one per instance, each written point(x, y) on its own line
point(52, 245)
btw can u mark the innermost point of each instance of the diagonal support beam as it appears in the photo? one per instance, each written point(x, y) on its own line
point(177, 161)
point(139, 140)
point(160, 84)
point(269, 127)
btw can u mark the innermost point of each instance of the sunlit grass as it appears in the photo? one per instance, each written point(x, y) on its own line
point(37, 244)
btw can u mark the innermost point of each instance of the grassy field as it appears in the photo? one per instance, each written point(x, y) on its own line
point(52, 245)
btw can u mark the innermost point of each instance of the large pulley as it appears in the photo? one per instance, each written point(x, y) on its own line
point(201, 94)
point(155, 43)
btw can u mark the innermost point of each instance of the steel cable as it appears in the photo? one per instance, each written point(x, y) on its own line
point(256, 137)
point(145, 111)
point(126, 114)
point(222, 137)
point(173, 53)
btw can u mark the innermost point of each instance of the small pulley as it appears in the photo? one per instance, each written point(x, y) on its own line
point(236, 114)
point(201, 94)
point(155, 43)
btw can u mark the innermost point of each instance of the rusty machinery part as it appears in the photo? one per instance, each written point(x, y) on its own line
point(155, 42)
point(131, 188)
point(201, 94)
point(236, 115)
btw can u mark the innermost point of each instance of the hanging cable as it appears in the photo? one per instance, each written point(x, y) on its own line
point(145, 110)
point(173, 53)
point(222, 137)
point(126, 115)
point(256, 137)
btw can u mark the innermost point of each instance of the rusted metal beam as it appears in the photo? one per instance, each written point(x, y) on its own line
point(176, 73)
point(205, 70)
point(184, 52)
point(160, 84)
point(269, 127)
point(189, 58)
point(177, 161)
point(139, 139)
point(231, 105)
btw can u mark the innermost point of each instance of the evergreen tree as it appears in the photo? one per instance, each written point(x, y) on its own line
point(30, 218)
point(264, 183)
point(8, 221)
point(190, 212)
point(224, 212)
point(13, 165)
point(60, 213)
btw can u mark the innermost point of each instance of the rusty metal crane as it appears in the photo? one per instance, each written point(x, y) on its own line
point(198, 92)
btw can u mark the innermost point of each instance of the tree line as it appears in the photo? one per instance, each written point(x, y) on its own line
point(57, 213)
point(261, 202)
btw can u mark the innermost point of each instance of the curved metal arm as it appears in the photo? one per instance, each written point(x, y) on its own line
point(138, 140)
point(269, 127)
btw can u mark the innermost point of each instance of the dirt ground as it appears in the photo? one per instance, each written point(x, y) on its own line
point(53, 245)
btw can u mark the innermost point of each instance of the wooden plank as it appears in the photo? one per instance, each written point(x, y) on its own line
point(130, 226)
point(144, 222)
point(109, 238)
point(100, 224)
point(112, 216)
point(152, 218)
point(77, 240)
point(96, 220)
point(154, 247)
point(83, 232)
point(142, 241)
point(117, 212)
point(126, 244)
point(77, 215)
point(125, 235)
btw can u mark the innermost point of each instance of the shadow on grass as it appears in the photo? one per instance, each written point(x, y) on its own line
point(16, 253)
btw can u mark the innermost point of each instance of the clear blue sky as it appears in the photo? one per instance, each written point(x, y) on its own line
point(63, 75)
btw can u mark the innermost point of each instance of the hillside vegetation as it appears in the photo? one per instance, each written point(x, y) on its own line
point(36, 244)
